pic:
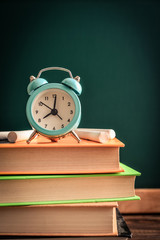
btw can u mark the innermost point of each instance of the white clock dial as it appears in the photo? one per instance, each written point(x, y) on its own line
point(53, 109)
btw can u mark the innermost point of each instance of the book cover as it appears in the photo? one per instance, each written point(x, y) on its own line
point(68, 141)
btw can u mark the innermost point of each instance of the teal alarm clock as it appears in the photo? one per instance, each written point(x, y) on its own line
point(53, 109)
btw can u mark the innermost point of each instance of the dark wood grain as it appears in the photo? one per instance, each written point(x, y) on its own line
point(144, 227)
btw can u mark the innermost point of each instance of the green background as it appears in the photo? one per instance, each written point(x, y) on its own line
point(114, 46)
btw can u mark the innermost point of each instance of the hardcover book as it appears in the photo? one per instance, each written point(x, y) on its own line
point(67, 156)
point(86, 219)
point(11, 233)
point(79, 188)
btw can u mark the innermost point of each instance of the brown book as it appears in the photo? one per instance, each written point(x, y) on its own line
point(86, 219)
point(67, 156)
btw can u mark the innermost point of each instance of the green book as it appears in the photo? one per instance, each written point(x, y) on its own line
point(60, 189)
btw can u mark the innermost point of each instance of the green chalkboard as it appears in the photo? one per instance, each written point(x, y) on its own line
point(114, 46)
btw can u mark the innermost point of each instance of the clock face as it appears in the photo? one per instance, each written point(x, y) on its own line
point(53, 109)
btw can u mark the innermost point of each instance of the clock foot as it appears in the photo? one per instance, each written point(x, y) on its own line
point(75, 136)
point(54, 139)
point(33, 135)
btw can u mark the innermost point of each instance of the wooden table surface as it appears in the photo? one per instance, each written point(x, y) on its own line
point(144, 227)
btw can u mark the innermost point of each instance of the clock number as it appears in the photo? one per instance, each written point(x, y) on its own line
point(69, 104)
point(54, 95)
point(69, 120)
point(54, 128)
point(71, 111)
point(40, 103)
point(46, 98)
point(39, 120)
point(45, 125)
point(62, 98)
point(62, 126)
point(36, 111)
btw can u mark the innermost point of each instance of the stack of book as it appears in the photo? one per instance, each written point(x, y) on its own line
point(63, 189)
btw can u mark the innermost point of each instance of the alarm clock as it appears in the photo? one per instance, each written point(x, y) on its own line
point(53, 109)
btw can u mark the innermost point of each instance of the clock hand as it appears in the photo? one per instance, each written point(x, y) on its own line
point(46, 105)
point(54, 111)
point(55, 99)
point(59, 117)
point(47, 115)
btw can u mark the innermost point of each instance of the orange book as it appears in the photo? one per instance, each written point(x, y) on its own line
point(83, 219)
point(67, 156)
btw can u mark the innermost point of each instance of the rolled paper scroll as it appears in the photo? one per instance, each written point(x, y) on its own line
point(15, 136)
point(98, 135)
